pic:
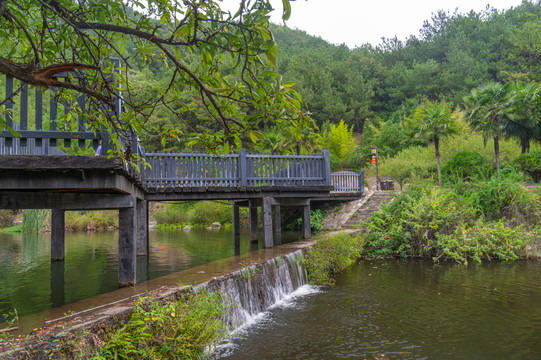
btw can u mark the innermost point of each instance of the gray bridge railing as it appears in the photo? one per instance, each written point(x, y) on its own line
point(169, 169)
point(38, 136)
point(348, 182)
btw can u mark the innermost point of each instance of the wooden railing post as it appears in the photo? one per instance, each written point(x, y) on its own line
point(361, 182)
point(9, 108)
point(327, 166)
point(243, 168)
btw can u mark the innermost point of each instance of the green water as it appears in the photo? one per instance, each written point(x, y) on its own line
point(407, 310)
point(30, 283)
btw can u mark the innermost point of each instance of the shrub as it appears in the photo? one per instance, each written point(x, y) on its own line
point(207, 212)
point(6, 218)
point(461, 223)
point(91, 220)
point(175, 213)
point(467, 165)
point(530, 163)
point(331, 256)
point(182, 329)
point(504, 196)
point(405, 226)
point(483, 241)
point(195, 212)
point(317, 220)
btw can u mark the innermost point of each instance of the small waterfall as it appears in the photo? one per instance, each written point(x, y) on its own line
point(254, 289)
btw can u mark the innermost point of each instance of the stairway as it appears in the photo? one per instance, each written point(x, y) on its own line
point(374, 203)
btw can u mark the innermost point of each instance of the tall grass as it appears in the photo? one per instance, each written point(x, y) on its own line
point(34, 220)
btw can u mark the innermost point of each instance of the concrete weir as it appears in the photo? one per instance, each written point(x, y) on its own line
point(90, 319)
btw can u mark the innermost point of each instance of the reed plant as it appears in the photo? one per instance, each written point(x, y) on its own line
point(34, 220)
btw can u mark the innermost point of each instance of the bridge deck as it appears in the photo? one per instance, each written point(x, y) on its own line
point(66, 182)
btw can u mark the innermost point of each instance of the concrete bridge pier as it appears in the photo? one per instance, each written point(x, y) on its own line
point(127, 245)
point(132, 235)
point(306, 228)
point(277, 220)
point(58, 228)
point(267, 222)
point(253, 220)
point(236, 219)
point(142, 228)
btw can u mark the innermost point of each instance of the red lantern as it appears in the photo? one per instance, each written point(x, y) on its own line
point(373, 160)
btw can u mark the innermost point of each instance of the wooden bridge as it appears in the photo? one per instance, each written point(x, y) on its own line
point(35, 174)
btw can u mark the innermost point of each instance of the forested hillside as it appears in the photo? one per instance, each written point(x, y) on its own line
point(379, 85)
point(453, 54)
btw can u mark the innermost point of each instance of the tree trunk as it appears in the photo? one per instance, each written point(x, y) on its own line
point(525, 143)
point(497, 153)
point(437, 149)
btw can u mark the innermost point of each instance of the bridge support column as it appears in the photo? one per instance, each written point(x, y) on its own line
point(127, 246)
point(57, 235)
point(253, 221)
point(142, 228)
point(267, 222)
point(306, 232)
point(277, 220)
point(57, 284)
point(236, 219)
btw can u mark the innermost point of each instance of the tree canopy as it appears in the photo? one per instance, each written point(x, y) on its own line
point(198, 44)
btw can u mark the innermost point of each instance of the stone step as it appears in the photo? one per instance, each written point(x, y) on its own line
point(364, 214)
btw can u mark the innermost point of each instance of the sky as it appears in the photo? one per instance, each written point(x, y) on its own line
point(357, 22)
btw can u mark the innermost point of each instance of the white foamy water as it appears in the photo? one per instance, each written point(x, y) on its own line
point(251, 292)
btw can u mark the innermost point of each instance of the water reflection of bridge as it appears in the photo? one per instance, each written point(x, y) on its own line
point(32, 178)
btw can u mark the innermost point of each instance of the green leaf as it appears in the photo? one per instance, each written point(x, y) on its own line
point(287, 10)
point(254, 136)
point(238, 142)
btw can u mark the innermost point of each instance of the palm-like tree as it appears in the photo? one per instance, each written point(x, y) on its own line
point(488, 109)
point(525, 121)
point(434, 120)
